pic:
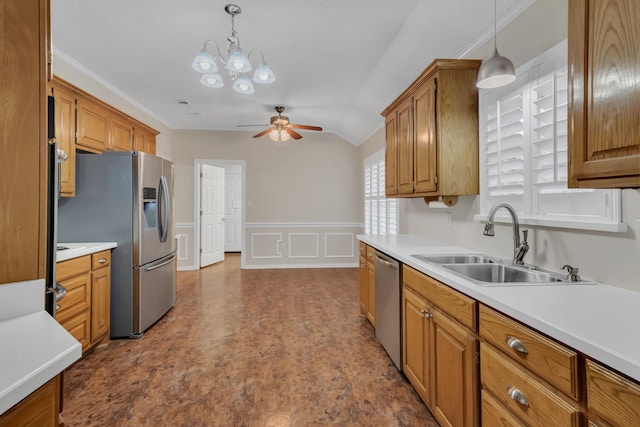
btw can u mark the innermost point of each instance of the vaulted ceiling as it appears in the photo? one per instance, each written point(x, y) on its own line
point(338, 63)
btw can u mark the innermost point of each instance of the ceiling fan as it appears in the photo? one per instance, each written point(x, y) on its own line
point(281, 129)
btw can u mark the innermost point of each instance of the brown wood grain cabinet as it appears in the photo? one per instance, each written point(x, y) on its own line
point(367, 297)
point(85, 311)
point(23, 139)
point(65, 120)
point(93, 125)
point(144, 139)
point(120, 133)
point(611, 398)
point(440, 353)
point(39, 409)
point(604, 93)
point(432, 133)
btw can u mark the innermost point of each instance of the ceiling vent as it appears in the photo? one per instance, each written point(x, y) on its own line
point(182, 101)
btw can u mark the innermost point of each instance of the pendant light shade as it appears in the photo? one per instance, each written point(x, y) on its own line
point(243, 85)
point(495, 72)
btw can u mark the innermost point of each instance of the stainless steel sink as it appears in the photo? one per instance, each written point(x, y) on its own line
point(456, 259)
point(501, 273)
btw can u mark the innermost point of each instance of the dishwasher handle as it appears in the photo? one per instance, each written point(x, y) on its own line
point(390, 264)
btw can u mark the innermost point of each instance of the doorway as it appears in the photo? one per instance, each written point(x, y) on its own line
point(212, 239)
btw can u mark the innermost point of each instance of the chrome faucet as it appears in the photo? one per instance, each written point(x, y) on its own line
point(519, 249)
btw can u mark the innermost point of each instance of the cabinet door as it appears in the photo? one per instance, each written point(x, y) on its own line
point(604, 97)
point(363, 285)
point(93, 126)
point(120, 134)
point(425, 152)
point(391, 157)
point(614, 398)
point(39, 409)
point(371, 293)
point(405, 148)
point(100, 307)
point(454, 368)
point(150, 144)
point(416, 343)
point(65, 119)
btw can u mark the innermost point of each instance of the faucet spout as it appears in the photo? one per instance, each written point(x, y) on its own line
point(519, 248)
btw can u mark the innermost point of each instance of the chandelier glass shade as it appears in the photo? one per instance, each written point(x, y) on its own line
point(496, 71)
point(237, 62)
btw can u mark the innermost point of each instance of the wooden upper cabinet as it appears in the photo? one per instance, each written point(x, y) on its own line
point(120, 133)
point(436, 136)
point(65, 121)
point(604, 93)
point(144, 139)
point(391, 157)
point(93, 126)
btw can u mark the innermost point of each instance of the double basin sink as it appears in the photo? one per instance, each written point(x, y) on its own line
point(489, 271)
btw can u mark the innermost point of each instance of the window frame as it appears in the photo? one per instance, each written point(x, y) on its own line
point(377, 161)
point(528, 76)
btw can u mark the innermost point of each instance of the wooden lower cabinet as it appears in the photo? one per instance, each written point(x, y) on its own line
point(367, 282)
point(85, 311)
point(611, 398)
point(439, 354)
point(39, 409)
point(495, 415)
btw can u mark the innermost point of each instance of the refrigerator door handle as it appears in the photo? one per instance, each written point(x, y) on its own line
point(165, 261)
point(164, 211)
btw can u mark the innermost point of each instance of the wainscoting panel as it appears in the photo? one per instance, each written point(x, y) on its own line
point(301, 245)
point(185, 249)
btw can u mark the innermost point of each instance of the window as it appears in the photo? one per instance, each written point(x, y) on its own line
point(523, 146)
point(380, 213)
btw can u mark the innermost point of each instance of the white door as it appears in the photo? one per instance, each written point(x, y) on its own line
point(211, 215)
point(233, 208)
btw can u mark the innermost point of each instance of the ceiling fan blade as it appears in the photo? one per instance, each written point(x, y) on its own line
point(307, 127)
point(245, 126)
point(294, 134)
point(264, 132)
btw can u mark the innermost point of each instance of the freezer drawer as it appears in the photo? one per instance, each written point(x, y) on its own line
point(154, 292)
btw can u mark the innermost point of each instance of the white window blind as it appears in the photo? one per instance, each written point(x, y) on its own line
point(523, 146)
point(380, 213)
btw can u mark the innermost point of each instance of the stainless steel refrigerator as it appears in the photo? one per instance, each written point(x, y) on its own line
point(127, 197)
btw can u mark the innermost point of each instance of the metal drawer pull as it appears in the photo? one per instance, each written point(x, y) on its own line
point(517, 395)
point(426, 314)
point(516, 344)
point(99, 276)
point(102, 260)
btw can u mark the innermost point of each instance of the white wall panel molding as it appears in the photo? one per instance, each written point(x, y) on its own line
point(301, 245)
point(304, 245)
point(266, 245)
point(339, 245)
point(184, 235)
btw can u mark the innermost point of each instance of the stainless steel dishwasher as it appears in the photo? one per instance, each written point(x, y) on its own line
point(388, 304)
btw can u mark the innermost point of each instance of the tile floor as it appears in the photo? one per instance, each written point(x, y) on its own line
point(248, 348)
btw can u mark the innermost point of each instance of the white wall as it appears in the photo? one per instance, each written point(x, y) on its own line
point(611, 258)
point(303, 200)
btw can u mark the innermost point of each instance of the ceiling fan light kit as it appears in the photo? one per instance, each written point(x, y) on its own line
point(496, 71)
point(281, 129)
point(237, 63)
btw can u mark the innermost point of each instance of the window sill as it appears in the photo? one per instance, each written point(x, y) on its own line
point(571, 224)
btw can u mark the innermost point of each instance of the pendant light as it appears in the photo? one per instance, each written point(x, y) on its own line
point(496, 71)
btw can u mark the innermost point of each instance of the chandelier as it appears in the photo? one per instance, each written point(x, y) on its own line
point(237, 62)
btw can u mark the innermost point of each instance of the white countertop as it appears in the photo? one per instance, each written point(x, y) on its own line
point(35, 348)
point(76, 250)
point(601, 321)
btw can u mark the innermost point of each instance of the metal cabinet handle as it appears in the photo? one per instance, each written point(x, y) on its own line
point(516, 344)
point(102, 260)
point(517, 395)
point(426, 314)
point(99, 276)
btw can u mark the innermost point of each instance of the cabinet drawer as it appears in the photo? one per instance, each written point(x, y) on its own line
point(100, 259)
point(72, 267)
point(494, 414)
point(80, 327)
point(552, 361)
point(78, 297)
point(613, 397)
point(452, 302)
point(504, 379)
